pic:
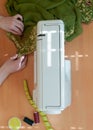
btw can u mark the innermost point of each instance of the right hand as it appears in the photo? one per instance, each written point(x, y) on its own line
point(12, 24)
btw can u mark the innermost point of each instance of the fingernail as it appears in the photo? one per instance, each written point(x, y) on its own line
point(20, 63)
point(22, 58)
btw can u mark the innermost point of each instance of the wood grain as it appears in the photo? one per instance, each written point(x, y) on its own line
point(13, 102)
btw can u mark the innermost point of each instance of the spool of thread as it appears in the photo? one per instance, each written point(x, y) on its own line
point(36, 117)
point(28, 121)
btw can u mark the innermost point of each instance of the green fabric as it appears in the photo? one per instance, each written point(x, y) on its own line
point(86, 9)
point(36, 10)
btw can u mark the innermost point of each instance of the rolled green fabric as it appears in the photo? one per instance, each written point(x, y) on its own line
point(25, 44)
point(36, 10)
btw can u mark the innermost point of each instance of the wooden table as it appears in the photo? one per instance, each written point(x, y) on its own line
point(13, 102)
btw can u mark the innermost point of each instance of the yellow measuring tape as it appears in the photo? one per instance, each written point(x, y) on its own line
point(42, 114)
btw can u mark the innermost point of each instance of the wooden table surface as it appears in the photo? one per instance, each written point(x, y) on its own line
point(13, 102)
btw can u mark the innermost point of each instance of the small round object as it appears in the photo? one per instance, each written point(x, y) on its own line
point(36, 117)
point(14, 123)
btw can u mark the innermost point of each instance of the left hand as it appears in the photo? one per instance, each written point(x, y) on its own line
point(12, 24)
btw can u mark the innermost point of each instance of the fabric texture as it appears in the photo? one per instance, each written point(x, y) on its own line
point(35, 10)
point(86, 9)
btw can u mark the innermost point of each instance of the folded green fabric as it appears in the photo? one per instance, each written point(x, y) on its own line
point(86, 9)
point(36, 10)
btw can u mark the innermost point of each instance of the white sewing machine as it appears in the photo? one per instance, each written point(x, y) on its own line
point(52, 92)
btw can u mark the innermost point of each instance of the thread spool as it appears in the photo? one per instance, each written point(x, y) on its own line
point(36, 117)
point(28, 121)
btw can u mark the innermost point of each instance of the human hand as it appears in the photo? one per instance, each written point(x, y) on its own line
point(12, 65)
point(12, 24)
point(15, 64)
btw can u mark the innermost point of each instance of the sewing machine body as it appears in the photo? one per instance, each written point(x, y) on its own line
point(52, 92)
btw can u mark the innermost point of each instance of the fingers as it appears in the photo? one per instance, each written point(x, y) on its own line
point(14, 57)
point(18, 25)
point(19, 17)
point(22, 62)
point(17, 29)
point(19, 62)
point(13, 24)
